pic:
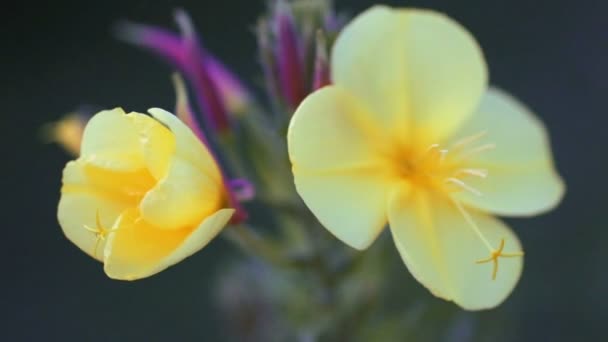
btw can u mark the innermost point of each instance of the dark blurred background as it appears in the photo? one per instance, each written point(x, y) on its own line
point(57, 55)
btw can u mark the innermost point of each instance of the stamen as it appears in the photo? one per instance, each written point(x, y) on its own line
point(468, 140)
point(482, 173)
point(432, 151)
point(477, 150)
point(463, 185)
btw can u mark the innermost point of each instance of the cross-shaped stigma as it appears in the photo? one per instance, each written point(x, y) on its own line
point(100, 232)
point(496, 254)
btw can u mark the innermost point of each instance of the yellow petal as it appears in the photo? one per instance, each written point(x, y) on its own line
point(440, 249)
point(188, 147)
point(138, 250)
point(339, 169)
point(182, 198)
point(369, 59)
point(331, 130)
point(521, 177)
point(127, 186)
point(351, 205)
point(78, 207)
point(111, 141)
point(414, 68)
point(157, 143)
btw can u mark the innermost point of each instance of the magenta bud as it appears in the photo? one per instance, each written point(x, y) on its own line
point(289, 55)
point(235, 95)
point(196, 71)
point(216, 88)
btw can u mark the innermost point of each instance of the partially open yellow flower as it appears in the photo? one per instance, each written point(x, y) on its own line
point(410, 134)
point(144, 194)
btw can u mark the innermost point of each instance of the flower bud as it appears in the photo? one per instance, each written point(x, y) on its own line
point(293, 56)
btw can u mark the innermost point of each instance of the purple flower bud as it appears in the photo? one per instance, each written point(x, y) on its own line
point(196, 71)
point(217, 89)
point(234, 95)
point(289, 55)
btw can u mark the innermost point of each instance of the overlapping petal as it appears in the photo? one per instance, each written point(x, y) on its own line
point(109, 141)
point(137, 249)
point(419, 71)
point(157, 143)
point(182, 198)
point(440, 248)
point(187, 146)
point(521, 177)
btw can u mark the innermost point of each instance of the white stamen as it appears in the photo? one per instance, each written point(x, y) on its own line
point(463, 185)
point(482, 173)
point(468, 140)
point(477, 150)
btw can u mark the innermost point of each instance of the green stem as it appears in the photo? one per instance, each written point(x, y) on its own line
point(249, 241)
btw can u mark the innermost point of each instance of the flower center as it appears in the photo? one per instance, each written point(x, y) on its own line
point(445, 170)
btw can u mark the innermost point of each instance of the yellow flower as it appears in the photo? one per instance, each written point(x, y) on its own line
point(144, 194)
point(411, 135)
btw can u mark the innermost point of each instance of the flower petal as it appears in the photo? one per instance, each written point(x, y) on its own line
point(188, 146)
point(521, 177)
point(138, 250)
point(110, 141)
point(368, 58)
point(395, 61)
point(157, 143)
point(351, 205)
point(440, 249)
point(339, 169)
point(182, 198)
point(331, 130)
point(78, 207)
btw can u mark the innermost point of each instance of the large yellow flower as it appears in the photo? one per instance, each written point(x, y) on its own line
point(144, 194)
point(411, 135)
